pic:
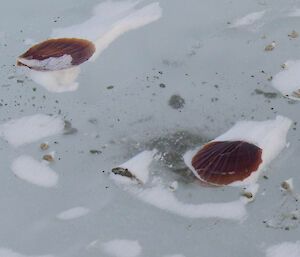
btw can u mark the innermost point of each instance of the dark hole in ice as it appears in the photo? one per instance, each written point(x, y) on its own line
point(176, 102)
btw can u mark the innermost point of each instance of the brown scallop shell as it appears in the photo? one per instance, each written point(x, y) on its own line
point(79, 49)
point(223, 162)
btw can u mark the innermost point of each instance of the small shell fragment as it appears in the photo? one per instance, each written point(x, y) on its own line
point(270, 47)
point(57, 54)
point(287, 185)
point(223, 162)
point(294, 34)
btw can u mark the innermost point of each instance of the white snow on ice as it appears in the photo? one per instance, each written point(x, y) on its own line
point(29, 129)
point(109, 21)
point(248, 19)
point(163, 198)
point(57, 81)
point(122, 248)
point(34, 172)
point(166, 200)
point(73, 213)
point(138, 166)
point(4, 252)
point(285, 249)
point(269, 135)
point(287, 81)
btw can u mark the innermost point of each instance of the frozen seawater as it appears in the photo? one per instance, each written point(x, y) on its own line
point(171, 75)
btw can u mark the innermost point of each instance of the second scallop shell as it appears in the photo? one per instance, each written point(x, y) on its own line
point(223, 162)
point(57, 54)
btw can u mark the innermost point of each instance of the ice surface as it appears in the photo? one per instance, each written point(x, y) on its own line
point(290, 249)
point(248, 19)
point(34, 172)
point(295, 13)
point(73, 213)
point(122, 248)
point(287, 81)
point(121, 108)
point(269, 135)
point(29, 129)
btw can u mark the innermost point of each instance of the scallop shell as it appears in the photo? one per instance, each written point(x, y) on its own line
point(57, 54)
point(223, 162)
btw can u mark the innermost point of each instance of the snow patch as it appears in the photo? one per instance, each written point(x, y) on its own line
point(248, 19)
point(34, 172)
point(73, 213)
point(164, 199)
point(122, 248)
point(284, 249)
point(29, 129)
point(57, 81)
point(287, 81)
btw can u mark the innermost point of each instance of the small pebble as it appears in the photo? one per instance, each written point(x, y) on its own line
point(44, 146)
point(48, 158)
point(94, 151)
point(270, 47)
